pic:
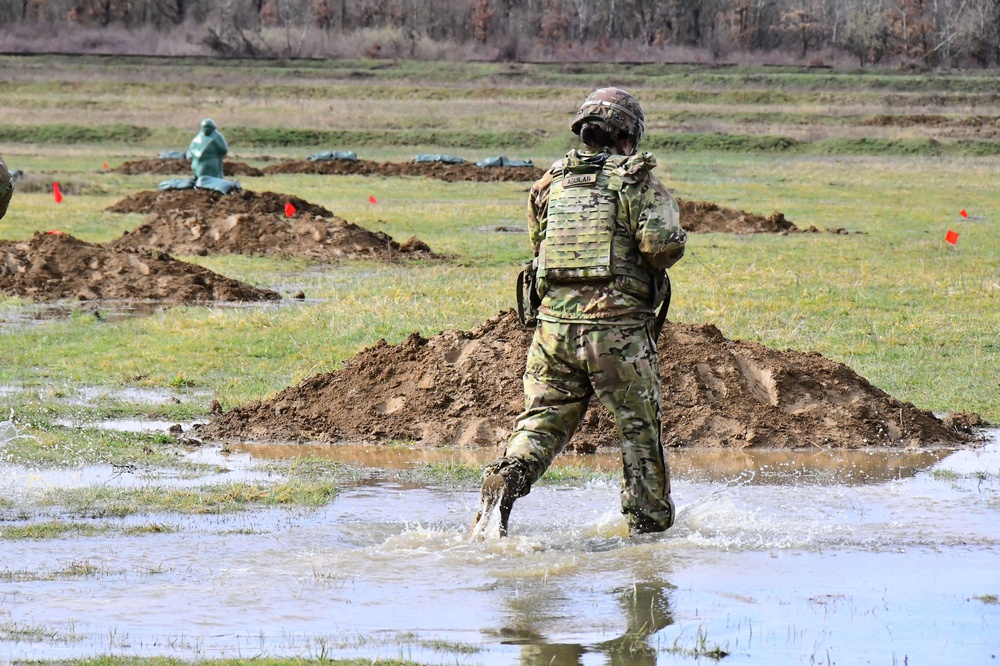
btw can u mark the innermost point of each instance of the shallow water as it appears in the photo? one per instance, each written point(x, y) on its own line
point(776, 558)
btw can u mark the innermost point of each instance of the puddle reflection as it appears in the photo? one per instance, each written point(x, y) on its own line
point(748, 467)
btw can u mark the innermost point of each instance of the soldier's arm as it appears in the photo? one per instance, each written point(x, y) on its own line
point(538, 209)
point(6, 188)
point(659, 235)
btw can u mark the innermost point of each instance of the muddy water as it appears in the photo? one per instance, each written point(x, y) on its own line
point(776, 558)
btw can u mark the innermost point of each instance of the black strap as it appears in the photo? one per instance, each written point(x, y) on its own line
point(661, 314)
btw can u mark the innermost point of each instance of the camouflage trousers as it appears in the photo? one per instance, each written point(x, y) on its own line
point(567, 364)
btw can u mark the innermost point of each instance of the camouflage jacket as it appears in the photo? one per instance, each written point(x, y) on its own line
point(650, 215)
point(6, 188)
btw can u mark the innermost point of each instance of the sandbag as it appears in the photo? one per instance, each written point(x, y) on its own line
point(217, 184)
point(503, 161)
point(431, 157)
point(177, 184)
point(327, 155)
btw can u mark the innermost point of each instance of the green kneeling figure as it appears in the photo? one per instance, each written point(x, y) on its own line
point(207, 150)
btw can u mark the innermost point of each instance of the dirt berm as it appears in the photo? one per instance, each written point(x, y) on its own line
point(464, 388)
point(51, 266)
point(202, 222)
point(437, 170)
point(169, 166)
point(702, 217)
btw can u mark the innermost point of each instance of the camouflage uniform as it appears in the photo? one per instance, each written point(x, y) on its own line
point(6, 188)
point(595, 336)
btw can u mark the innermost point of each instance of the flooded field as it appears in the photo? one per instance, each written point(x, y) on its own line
point(813, 557)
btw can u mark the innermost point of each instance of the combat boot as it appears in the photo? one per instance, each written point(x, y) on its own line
point(643, 525)
point(497, 494)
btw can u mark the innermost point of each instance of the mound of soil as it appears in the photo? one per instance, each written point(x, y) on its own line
point(438, 170)
point(172, 166)
point(702, 217)
point(311, 236)
point(464, 388)
point(202, 222)
point(52, 266)
point(214, 204)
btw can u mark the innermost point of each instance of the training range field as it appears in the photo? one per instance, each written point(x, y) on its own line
point(895, 160)
point(892, 157)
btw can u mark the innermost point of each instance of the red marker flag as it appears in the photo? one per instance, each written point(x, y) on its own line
point(289, 209)
point(951, 237)
point(54, 232)
point(56, 194)
point(963, 213)
point(372, 199)
point(105, 166)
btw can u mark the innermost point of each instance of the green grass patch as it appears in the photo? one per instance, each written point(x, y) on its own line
point(988, 599)
point(282, 136)
point(70, 134)
point(104, 501)
point(54, 529)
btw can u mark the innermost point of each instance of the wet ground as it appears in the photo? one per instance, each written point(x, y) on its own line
point(778, 557)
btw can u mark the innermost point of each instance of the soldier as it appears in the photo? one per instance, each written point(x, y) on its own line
point(207, 150)
point(6, 188)
point(604, 230)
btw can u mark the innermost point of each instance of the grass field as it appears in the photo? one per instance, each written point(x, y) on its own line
point(915, 315)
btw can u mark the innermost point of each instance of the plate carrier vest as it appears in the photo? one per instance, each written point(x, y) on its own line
point(584, 239)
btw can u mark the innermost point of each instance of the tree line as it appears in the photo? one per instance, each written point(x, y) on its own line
point(927, 33)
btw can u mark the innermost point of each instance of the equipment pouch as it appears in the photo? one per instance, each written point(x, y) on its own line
point(527, 296)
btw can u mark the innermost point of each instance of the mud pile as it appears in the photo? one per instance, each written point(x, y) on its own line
point(705, 217)
point(51, 266)
point(202, 222)
point(464, 388)
point(214, 204)
point(171, 166)
point(437, 170)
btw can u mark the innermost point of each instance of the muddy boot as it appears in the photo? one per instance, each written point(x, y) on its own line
point(643, 525)
point(495, 502)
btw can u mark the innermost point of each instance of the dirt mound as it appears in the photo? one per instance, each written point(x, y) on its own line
point(464, 388)
point(202, 222)
point(169, 166)
point(314, 237)
point(51, 266)
point(438, 170)
point(705, 217)
point(214, 204)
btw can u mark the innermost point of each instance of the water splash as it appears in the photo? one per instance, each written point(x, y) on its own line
point(9, 431)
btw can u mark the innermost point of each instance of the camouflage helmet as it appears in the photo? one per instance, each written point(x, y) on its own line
point(618, 109)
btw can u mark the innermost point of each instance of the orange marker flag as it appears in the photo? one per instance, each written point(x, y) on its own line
point(289, 209)
point(54, 232)
point(56, 194)
point(951, 237)
point(963, 213)
point(372, 199)
point(105, 166)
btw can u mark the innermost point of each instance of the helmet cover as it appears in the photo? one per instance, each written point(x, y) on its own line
point(616, 108)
